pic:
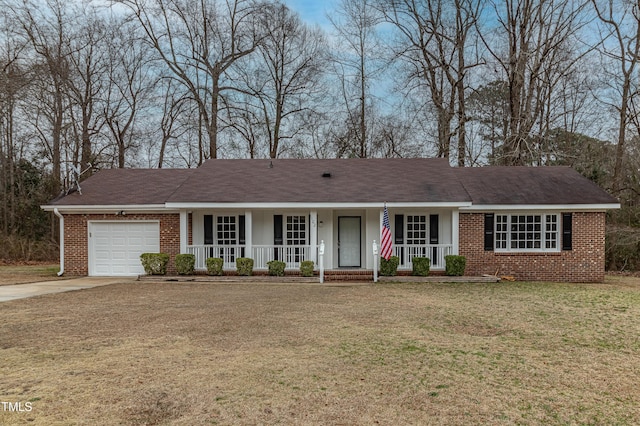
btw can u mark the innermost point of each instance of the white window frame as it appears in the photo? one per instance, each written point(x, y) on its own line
point(522, 232)
point(293, 225)
point(228, 227)
point(290, 238)
point(416, 231)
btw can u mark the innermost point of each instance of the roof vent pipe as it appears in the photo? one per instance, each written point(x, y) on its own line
point(326, 174)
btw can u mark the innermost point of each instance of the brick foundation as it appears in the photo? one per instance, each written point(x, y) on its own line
point(76, 244)
point(584, 263)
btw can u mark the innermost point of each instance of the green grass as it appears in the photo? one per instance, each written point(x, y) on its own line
point(195, 353)
point(17, 273)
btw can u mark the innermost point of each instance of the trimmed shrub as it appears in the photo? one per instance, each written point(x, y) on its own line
point(185, 263)
point(214, 265)
point(276, 268)
point(154, 263)
point(244, 266)
point(454, 265)
point(306, 268)
point(389, 268)
point(421, 266)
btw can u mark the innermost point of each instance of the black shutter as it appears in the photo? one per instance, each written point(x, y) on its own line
point(277, 230)
point(567, 231)
point(242, 231)
point(399, 234)
point(433, 229)
point(433, 237)
point(488, 231)
point(277, 234)
point(208, 229)
point(399, 229)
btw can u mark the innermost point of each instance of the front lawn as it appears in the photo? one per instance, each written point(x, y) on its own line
point(28, 272)
point(201, 353)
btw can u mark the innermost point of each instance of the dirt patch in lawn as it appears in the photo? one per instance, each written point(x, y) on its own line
point(200, 353)
point(28, 272)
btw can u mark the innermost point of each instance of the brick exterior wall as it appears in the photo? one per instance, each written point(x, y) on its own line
point(76, 244)
point(584, 263)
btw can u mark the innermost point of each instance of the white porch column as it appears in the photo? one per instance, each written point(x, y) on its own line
point(455, 231)
point(380, 225)
point(184, 230)
point(313, 235)
point(248, 237)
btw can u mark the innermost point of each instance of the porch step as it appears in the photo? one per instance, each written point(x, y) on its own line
point(348, 275)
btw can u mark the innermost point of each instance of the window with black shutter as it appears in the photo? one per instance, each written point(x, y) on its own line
point(488, 231)
point(567, 231)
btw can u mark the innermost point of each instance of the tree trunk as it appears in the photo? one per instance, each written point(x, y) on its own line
point(85, 161)
point(622, 134)
point(213, 127)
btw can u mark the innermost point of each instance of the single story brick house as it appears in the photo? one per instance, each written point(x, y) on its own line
point(534, 223)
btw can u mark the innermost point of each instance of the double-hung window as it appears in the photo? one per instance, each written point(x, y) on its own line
point(527, 232)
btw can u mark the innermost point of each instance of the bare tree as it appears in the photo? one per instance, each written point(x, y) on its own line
point(356, 64)
point(286, 76)
point(129, 86)
point(173, 105)
point(542, 46)
point(620, 47)
point(14, 79)
point(467, 13)
point(88, 61)
point(198, 42)
point(45, 34)
point(434, 38)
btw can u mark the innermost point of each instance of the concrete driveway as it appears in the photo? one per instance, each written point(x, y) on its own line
point(22, 291)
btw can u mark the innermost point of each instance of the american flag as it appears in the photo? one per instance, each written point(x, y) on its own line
point(385, 239)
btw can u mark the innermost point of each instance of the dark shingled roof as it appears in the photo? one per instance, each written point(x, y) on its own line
point(531, 185)
point(301, 180)
point(127, 187)
point(426, 180)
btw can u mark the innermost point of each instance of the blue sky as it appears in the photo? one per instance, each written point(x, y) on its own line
point(313, 11)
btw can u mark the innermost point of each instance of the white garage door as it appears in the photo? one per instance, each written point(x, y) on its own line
point(115, 247)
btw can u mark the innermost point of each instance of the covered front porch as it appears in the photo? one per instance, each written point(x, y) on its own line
point(294, 234)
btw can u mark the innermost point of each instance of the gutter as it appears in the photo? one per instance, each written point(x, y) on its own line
point(57, 213)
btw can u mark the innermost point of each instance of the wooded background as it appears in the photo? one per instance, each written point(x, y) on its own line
point(88, 85)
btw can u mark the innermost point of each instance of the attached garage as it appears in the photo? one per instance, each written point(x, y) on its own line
point(115, 247)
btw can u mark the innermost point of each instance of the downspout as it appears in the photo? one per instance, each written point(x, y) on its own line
point(57, 213)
